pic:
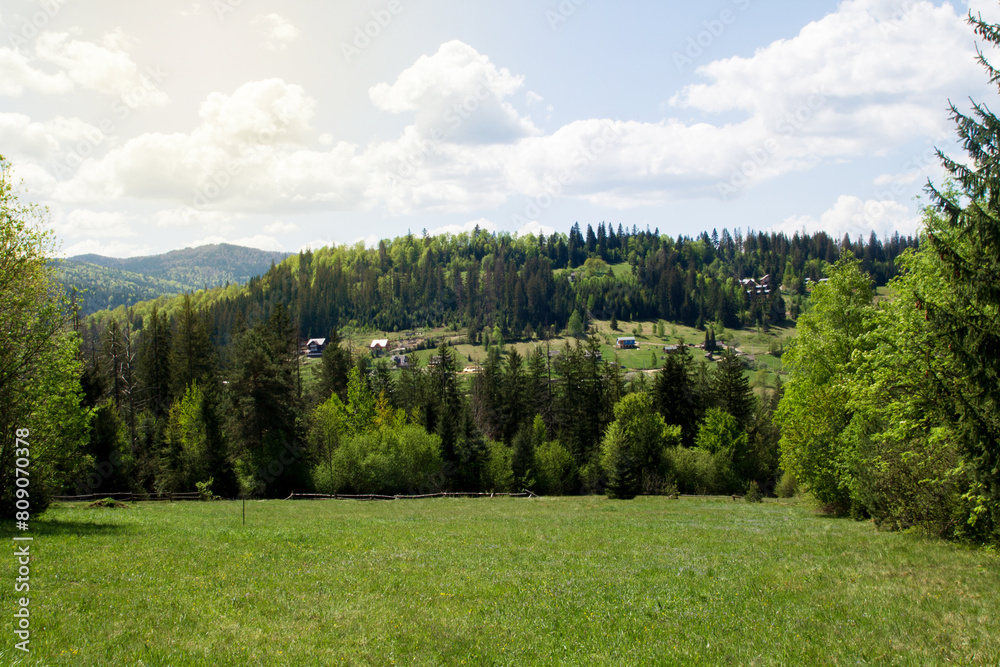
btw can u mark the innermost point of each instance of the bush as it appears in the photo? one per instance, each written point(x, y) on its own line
point(697, 471)
point(753, 494)
point(788, 486)
point(388, 460)
point(498, 473)
point(205, 490)
point(557, 473)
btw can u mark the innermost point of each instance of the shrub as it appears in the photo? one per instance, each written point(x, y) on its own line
point(498, 473)
point(753, 494)
point(387, 460)
point(694, 470)
point(205, 490)
point(788, 486)
point(557, 474)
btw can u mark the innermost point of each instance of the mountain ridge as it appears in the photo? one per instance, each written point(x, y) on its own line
point(110, 282)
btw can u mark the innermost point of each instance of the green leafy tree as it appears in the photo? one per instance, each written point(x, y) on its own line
point(40, 366)
point(814, 410)
point(633, 447)
point(721, 435)
point(575, 325)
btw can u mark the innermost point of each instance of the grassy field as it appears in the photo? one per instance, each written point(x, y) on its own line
point(560, 581)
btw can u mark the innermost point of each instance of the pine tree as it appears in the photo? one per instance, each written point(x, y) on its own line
point(154, 362)
point(449, 400)
point(192, 356)
point(967, 241)
point(676, 396)
point(515, 411)
point(731, 389)
point(336, 363)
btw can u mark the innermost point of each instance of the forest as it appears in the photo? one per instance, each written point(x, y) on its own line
point(891, 412)
point(205, 391)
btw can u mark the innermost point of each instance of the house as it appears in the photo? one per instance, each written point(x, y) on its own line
point(627, 343)
point(378, 345)
point(400, 361)
point(314, 347)
point(670, 349)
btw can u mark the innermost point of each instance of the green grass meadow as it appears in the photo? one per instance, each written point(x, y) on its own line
point(550, 581)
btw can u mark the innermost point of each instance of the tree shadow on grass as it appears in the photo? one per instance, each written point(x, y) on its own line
point(45, 527)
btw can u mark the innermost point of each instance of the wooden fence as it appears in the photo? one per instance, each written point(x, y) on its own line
point(372, 496)
point(194, 495)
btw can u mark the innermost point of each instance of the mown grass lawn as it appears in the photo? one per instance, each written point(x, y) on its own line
point(570, 581)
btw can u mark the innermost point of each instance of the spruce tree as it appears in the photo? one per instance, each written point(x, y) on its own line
point(192, 355)
point(731, 389)
point(154, 362)
point(336, 364)
point(964, 306)
point(676, 396)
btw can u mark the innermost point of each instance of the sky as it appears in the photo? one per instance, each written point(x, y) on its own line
point(148, 127)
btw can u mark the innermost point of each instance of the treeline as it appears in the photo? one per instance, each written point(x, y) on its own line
point(533, 284)
point(174, 412)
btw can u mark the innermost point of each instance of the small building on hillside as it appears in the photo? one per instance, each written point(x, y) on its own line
point(400, 361)
point(314, 347)
point(378, 346)
point(626, 343)
point(670, 349)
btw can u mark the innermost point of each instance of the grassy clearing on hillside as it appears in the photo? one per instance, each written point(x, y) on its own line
point(497, 582)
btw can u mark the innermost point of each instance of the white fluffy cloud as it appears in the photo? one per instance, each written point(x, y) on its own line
point(278, 31)
point(17, 74)
point(861, 78)
point(106, 67)
point(458, 95)
point(850, 215)
point(21, 137)
point(859, 82)
point(236, 151)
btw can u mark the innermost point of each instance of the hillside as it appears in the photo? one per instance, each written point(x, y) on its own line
point(528, 285)
point(111, 282)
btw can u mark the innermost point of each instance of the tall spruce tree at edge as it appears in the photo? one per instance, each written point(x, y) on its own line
point(967, 241)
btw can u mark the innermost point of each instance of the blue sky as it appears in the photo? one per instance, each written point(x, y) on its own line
point(281, 125)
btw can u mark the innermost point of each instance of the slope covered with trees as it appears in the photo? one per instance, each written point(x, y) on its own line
point(104, 283)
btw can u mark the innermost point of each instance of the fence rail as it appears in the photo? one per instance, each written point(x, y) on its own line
point(373, 496)
point(194, 495)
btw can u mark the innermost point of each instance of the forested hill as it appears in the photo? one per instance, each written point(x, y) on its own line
point(111, 282)
point(526, 284)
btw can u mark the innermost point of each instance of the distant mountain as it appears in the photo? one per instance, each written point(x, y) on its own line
point(111, 282)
